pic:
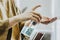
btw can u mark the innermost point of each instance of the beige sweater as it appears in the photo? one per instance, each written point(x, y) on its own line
point(10, 11)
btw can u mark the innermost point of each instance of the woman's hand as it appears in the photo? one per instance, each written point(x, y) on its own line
point(30, 16)
point(25, 17)
point(47, 20)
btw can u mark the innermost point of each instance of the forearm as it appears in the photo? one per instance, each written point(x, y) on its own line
point(14, 20)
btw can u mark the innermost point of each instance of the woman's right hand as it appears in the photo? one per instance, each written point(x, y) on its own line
point(25, 17)
point(30, 16)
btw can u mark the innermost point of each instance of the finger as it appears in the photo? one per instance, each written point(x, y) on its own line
point(37, 17)
point(28, 23)
point(37, 14)
point(44, 21)
point(53, 19)
point(33, 9)
point(34, 19)
point(49, 21)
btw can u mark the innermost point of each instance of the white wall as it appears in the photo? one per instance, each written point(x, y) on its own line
point(57, 13)
point(45, 9)
point(57, 30)
point(57, 8)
